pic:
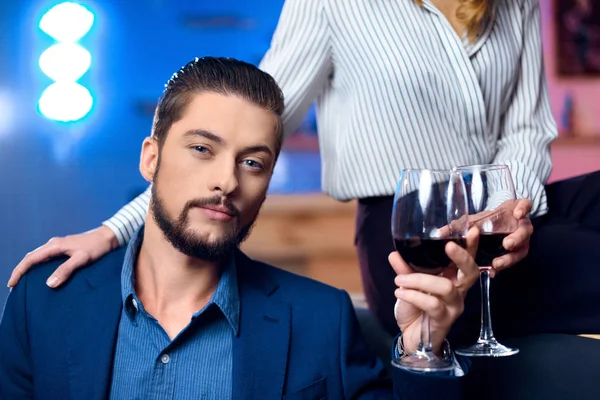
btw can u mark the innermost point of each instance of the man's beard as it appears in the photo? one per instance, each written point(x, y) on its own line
point(188, 242)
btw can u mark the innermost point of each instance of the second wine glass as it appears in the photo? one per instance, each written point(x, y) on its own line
point(492, 200)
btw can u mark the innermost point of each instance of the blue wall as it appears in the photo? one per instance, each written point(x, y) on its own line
point(57, 179)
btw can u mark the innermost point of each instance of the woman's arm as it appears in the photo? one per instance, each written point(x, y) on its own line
point(129, 218)
point(300, 57)
point(528, 127)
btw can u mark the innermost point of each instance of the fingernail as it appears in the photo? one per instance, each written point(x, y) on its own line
point(509, 244)
point(52, 281)
point(498, 264)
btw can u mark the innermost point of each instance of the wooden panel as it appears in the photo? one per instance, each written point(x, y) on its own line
point(311, 235)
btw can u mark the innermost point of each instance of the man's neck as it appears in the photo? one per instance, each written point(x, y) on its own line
point(171, 285)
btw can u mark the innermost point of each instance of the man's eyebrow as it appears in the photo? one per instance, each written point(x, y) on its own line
point(205, 134)
point(259, 148)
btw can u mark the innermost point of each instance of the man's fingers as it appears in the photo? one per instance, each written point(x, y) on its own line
point(472, 241)
point(429, 304)
point(41, 254)
point(465, 262)
point(398, 264)
point(445, 230)
point(432, 284)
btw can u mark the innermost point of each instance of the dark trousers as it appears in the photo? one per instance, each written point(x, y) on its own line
point(556, 289)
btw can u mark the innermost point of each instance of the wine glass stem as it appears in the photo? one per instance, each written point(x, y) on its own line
point(486, 333)
point(425, 345)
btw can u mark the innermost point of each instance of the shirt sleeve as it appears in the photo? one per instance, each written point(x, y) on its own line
point(300, 57)
point(528, 127)
point(129, 218)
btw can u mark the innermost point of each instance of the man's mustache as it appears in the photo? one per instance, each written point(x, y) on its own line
point(212, 201)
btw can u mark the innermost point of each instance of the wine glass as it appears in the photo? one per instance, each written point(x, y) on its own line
point(492, 199)
point(430, 210)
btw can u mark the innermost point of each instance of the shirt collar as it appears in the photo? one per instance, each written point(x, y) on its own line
point(226, 296)
point(128, 296)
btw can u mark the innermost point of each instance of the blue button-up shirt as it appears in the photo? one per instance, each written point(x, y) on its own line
point(197, 364)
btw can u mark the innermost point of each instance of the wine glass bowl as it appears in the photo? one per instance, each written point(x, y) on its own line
point(493, 229)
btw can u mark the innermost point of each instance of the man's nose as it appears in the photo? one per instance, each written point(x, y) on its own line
point(224, 178)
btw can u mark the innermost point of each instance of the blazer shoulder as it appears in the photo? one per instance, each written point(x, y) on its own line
point(292, 284)
point(107, 267)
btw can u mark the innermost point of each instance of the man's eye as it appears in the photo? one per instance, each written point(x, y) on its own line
point(253, 164)
point(201, 149)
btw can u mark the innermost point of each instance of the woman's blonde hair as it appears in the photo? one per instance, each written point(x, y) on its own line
point(472, 13)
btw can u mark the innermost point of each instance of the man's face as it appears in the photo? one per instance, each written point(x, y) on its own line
point(212, 173)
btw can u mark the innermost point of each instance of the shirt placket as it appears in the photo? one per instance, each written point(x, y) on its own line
point(164, 375)
point(459, 58)
point(164, 371)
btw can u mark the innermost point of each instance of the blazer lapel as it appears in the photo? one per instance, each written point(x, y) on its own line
point(260, 352)
point(92, 335)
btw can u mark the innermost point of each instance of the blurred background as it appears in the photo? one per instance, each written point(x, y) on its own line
point(69, 151)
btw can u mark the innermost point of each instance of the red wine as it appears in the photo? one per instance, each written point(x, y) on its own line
point(426, 255)
point(490, 247)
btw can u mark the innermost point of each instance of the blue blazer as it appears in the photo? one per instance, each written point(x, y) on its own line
point(298, 339)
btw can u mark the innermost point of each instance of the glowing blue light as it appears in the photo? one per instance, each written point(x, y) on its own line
point(65, 101)
point(65, 61)
point(67, 22)
point(7, 113)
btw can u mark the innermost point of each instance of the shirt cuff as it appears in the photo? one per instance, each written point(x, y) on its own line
point(122, 237)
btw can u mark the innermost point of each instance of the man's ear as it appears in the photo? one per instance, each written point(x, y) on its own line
point(149, 158)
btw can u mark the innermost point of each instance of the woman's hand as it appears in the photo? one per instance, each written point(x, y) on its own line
point(517, 243)
point(82, 250)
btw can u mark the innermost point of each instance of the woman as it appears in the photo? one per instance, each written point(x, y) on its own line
point(398, 84)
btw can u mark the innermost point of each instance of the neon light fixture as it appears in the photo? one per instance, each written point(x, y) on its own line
point(66, 62)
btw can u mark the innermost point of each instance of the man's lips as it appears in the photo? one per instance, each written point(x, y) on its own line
point(219, 213)
point(221, 209)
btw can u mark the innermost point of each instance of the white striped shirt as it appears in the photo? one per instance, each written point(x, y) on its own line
point(396, 88)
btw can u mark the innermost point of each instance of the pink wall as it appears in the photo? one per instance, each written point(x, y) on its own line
point(585, 91)
point(571, 159)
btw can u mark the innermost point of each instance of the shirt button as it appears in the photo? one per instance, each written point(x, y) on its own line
point(165, 358)
point(135, 304)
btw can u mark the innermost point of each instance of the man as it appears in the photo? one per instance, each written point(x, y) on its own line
point(183, 313)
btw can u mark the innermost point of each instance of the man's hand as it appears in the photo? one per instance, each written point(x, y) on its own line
point(441, 297)
point(82, 249)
